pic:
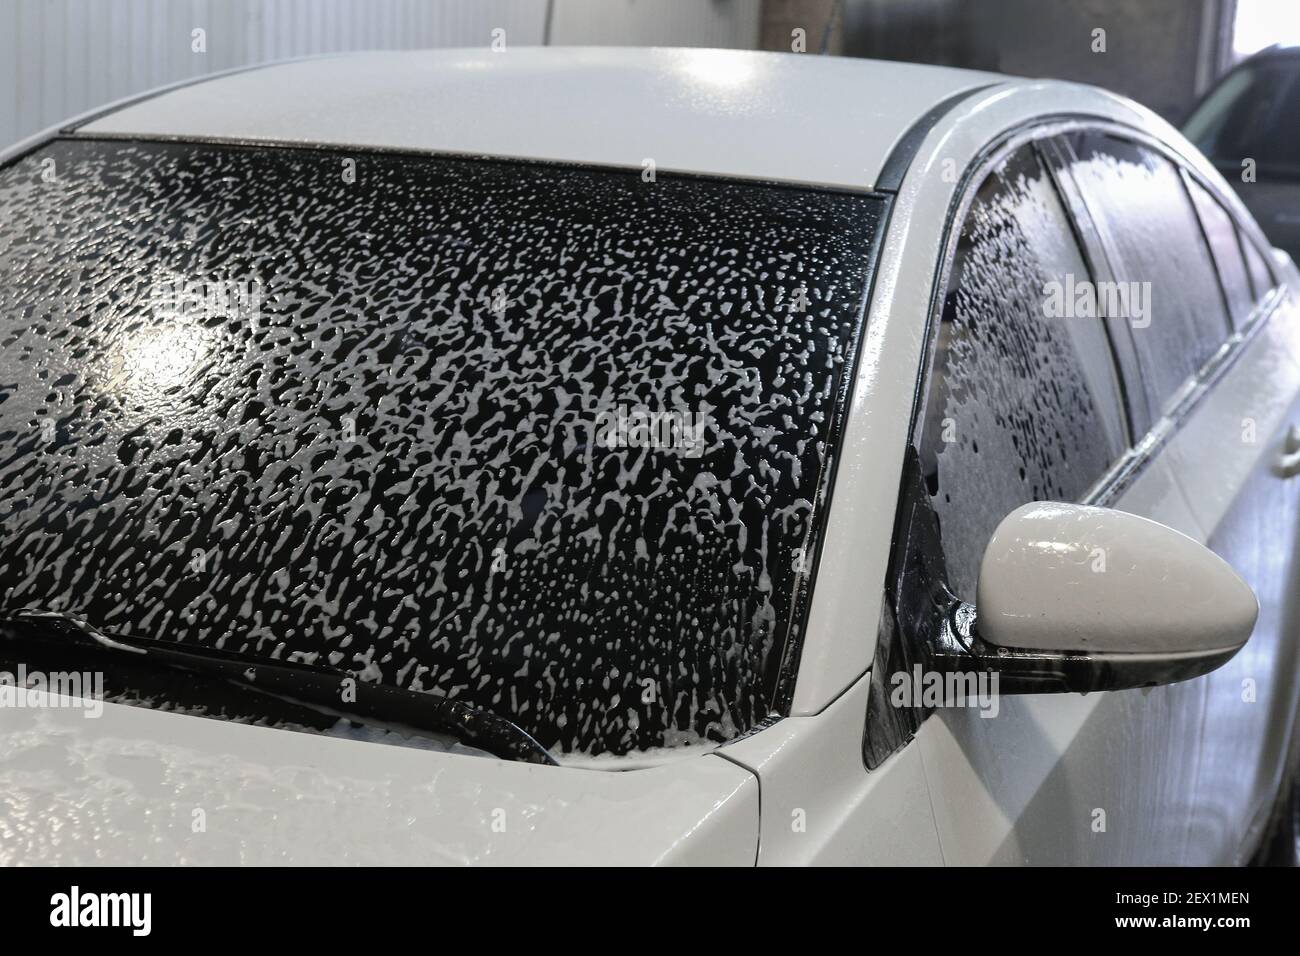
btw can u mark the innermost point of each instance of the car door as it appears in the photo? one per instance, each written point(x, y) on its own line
point(1025, 401)
point(1220, 379)
point(1039, 389)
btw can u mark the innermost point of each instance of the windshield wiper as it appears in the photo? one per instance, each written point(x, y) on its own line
point(325, 690)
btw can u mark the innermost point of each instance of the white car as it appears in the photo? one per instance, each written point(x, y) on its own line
point(640, 456)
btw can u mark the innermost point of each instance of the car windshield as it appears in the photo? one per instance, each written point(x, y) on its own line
point(1251, 115)
point(553, 441)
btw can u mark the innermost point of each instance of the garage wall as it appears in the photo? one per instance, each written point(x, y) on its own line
point(62, 57)
point(704, 23)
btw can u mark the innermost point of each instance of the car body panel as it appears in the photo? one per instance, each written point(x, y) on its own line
point(716, 112)
point(821, 806)
point(1226, 457)
point(137, 786)
point(1028, 786)
point(1021, 786)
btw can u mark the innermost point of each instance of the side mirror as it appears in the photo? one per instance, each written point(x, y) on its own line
point(1076, 598)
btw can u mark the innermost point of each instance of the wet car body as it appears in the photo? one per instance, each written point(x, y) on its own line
point(394, 472)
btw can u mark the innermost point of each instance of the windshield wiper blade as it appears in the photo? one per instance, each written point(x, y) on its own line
point(323, 689)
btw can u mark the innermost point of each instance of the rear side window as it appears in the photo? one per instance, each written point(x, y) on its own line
point(1261, 278)
point(1222, 235)
point(1160, 258)
point(1023, 402)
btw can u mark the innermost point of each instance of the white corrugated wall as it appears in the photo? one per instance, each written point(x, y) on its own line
point(62, 57)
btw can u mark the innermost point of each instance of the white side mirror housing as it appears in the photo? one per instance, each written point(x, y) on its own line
point(1067, 578)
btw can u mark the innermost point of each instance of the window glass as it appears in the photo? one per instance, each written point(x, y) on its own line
point(550, 441)
point(1252, 115)
point(1166, 283)
point(1023, 400)
point(1261, 277)
point(1222, 234)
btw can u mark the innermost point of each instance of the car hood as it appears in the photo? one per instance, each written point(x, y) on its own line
point(140, 786)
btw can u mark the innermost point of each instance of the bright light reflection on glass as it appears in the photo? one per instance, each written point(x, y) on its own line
point(157, 359)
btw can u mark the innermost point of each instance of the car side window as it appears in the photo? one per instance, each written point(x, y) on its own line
point(1261, 277)
point(1023, 401)
point(1159, 255)
point(1222, 236)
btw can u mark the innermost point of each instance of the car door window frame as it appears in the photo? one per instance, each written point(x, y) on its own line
point(917, 552)
point(1012, 385)
point(1110, 249)
point(917, 556)
point(1058, 155)
point(1217, 253)
point(1161, 425)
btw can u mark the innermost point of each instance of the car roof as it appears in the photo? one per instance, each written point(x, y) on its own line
point(799, 118)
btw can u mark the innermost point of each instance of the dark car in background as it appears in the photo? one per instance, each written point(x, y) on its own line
point(1249, 127)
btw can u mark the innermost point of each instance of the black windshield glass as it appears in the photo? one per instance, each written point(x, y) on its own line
point(553, 441)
